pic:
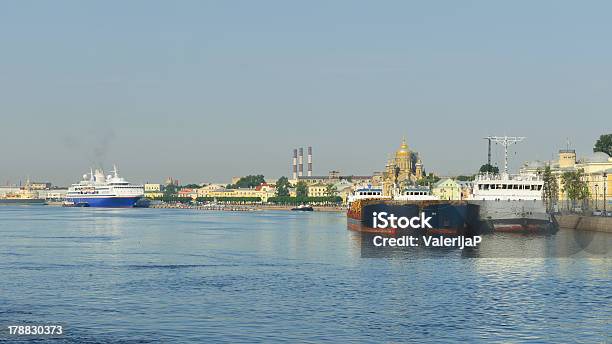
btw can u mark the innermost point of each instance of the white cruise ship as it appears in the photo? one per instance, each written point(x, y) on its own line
point(97, 190)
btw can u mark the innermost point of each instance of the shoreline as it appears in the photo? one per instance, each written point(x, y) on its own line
point(585, 223)
point(241, 207)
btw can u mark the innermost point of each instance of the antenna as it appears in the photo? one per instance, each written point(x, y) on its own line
point(506, 141)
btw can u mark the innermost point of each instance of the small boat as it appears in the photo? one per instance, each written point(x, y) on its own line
point(75, 205)
point(302, 207)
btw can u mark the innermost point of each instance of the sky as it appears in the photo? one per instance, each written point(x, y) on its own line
point(206, 90)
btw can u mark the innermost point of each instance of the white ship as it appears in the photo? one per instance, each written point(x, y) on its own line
point(415, 193)
point(97, 190)
point(411, 193)
point(512, 203)
point(367, 192)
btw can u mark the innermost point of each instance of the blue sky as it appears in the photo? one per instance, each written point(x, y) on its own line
point(204, 90)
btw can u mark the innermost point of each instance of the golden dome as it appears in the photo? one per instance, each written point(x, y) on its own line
point(403, 151)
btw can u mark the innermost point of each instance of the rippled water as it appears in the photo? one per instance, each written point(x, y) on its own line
point(154, 275)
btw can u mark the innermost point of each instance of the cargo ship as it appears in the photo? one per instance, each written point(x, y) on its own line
point(446, 217)
point(97, 190)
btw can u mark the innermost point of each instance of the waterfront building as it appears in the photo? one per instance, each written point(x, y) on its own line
point(204, 191)
point(55, 194)
point(153, 187)
point(40, 185)
point(597, 169)
point(377, 179)
point(187, 193)
point(467, 188)
point(317, 190)
point(8, 190)
point(344, 189)
point(153, 190)
point(404, 168)
point(264, 191)
point(447, 189)
point(332, 178)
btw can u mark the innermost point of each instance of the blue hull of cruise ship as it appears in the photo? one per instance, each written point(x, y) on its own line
point(107, 202)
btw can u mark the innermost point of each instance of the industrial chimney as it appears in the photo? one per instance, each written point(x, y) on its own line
point(309, 161)
point(301, 162)
point(294, 164)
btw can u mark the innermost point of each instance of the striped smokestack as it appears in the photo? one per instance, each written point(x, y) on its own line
point(294, 164)
point(309, 161)
point(301, 163)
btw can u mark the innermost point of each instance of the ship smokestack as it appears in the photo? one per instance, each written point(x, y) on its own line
point(301, 163)
point(294, 164)
point(309, 161)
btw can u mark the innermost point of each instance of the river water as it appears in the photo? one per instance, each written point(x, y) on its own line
point(173, 275)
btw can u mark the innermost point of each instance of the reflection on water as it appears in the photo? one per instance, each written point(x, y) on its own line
point(151, 275)
point(564, 243)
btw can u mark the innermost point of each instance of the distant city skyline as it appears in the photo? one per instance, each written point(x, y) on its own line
point(203, 91)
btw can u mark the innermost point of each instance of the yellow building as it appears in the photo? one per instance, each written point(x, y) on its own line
point(597, 169)
point(447, 189)
point(263, 191)
point(317, 190)
point(404, 168)
point(153, 190)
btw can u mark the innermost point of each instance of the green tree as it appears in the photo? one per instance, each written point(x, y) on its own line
point(465, 178)
point(551, 188)
point(170, 190)
point(574, 186)
point(282, 187)
point(301, 189)
point(488, 168)
point(604, 144)
point(191, 186)
point(330, 190)
point(429, 179)
point(249, 181)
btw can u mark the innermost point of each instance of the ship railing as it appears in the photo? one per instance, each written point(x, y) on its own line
point(501, 177)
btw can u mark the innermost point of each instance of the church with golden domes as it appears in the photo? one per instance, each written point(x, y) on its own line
point(402, 169)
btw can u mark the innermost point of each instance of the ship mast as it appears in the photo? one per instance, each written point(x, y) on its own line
point(506, 141)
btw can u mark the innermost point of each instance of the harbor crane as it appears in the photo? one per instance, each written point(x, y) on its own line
point(505, 141)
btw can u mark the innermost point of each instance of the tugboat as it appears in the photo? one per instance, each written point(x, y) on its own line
point(302, 207)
